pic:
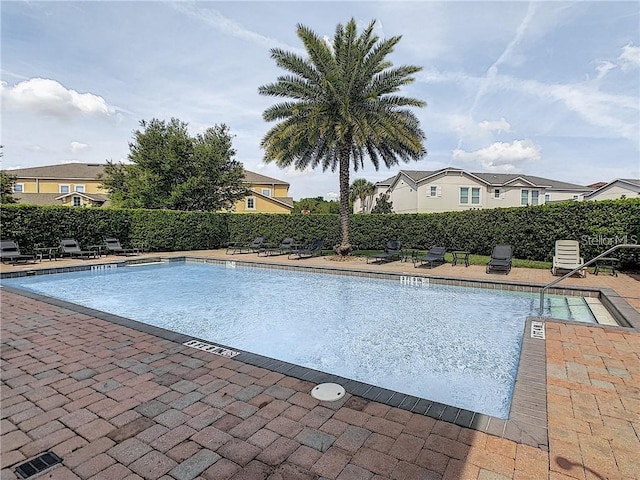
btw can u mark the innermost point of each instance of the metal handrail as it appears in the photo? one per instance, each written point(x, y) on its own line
point(586, 264)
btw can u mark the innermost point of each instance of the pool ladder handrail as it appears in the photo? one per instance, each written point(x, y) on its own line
point(585, 264)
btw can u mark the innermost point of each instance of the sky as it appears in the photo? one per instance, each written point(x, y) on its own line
point(550, 89)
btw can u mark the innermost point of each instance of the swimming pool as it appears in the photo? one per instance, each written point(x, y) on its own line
point(454, 345)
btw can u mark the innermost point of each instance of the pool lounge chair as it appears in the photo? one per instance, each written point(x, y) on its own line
point(500, 259)
point(70, 247)
point(392, 251)
point(10, 252)
point(434, 255)
point(286, 246)
point(313, 250)
point(257, 245)
point(113, 246)
point(567, 257)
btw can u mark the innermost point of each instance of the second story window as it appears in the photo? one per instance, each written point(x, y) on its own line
point(250, 203)
point(266, 192)
point(77, 202)
point(79, 188)
point(64, 188)
point(18, 188)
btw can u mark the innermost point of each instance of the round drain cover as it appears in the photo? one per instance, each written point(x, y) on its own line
point(328, 392)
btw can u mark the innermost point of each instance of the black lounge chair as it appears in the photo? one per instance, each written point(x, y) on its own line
point(434, 255)
point(393, 251)
point(313, 250)
point(10, 252)
point(286, 246)
point(113, 246)
point(69, 246)
point(500, 259)
point(257, 245)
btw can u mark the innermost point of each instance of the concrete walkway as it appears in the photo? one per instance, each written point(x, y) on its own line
point(116, 403)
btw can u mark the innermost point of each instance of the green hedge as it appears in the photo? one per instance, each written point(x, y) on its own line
point(531, 230)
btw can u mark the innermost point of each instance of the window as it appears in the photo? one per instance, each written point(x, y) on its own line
point(77, 201)
point(18, 187)
point(535, 194)
point(250, 203)
point(79, 188)
point(547, 197)
point(64, 188)
point(433, 191)
point(575, 198)
point(475, 196)
point(496, 193)
point(464, 195)
point(266, 192)
point(524, 197)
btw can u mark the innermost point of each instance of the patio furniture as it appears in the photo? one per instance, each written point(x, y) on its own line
point(567, 257)
point(500, 261)
point(50, 252)
point(287, 245)
point(313, 250)
point(461, 255)
point(257, 245)
point(112, 245)
point(606, 263)
point(392, 251)
point(70, 247)
point(10, 252)
point(434, 255)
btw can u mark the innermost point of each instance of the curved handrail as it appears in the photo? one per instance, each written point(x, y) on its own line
point(586, 264)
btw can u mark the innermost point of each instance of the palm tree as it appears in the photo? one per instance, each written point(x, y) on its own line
point(360, 189)
point(342, 106)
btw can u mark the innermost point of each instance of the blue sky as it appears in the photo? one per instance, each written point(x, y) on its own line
point(547, 88)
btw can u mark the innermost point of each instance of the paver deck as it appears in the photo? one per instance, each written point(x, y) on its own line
point(116, 403)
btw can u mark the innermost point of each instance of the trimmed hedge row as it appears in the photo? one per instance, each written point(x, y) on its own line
point(531, 230)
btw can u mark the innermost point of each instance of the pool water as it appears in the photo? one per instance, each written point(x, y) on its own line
point(454, 345)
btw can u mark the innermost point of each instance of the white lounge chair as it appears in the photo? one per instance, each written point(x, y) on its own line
point(567, 257)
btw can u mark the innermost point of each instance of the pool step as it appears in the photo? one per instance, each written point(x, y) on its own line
point(600, 312)
point(579, 309)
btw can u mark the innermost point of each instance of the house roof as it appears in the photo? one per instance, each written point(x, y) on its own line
point(90, 171)
point(491, 179)
point(54, 198)
point(634, 183)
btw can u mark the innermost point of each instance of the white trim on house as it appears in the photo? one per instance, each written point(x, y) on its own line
point(250, 203)
point(60, 188)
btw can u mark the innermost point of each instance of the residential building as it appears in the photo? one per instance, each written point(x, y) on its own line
point(454, 189)
point(619, 188)
point(79, 184)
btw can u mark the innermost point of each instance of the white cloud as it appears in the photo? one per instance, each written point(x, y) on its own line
point(495, 126)
point(331, 196)
point(49, 97)
point(501, 156)
point(630, 56)
point(76, 147)
point(605, 67)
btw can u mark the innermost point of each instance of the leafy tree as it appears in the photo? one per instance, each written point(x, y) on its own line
point(383, 204)
point(171, 169)
point(316, 205)
point(343, 106)
point(360, 189)
point(6, 188)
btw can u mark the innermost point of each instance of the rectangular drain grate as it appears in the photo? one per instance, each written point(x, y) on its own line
point(38, 464)
point(207, 347)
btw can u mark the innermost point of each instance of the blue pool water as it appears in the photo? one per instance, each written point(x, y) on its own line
point(454, 345)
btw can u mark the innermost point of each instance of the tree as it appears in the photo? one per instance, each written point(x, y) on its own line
point(316, 205)
point(7, 182)
point(360, 189)
point(342, 107)
point(170, 169)
point(383, 205)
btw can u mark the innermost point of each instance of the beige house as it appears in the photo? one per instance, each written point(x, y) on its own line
point(619, 188)
point(78, 184)
point(454, 189)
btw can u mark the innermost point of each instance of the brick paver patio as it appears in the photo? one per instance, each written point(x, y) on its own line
point(116, 403)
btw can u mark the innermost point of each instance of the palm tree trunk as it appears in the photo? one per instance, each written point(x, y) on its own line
point(345, 247)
